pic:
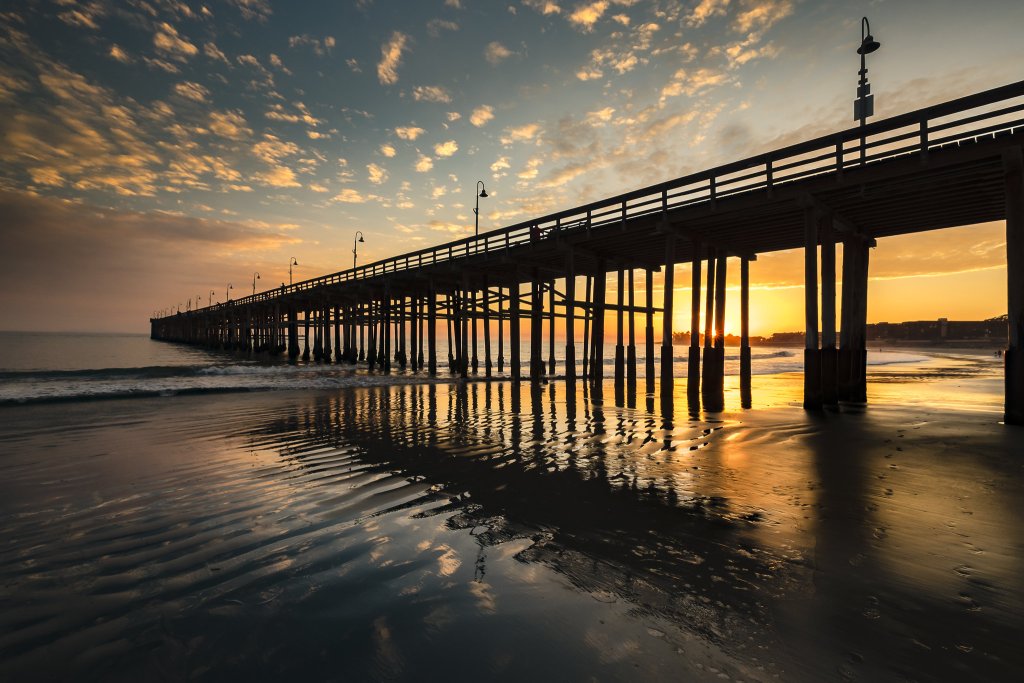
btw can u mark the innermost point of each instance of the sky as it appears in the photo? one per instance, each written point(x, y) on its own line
point(154, 152)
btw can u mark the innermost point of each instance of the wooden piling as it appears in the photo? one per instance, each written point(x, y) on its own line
point(829, 358)
point(631, 347)
point(693, 359)
point(720, 293)
point(513, 331)
point(487, 329)
point(620, 335)
point(432, 331)
point(649, 331)
point(570, 322)
point(536, 328)
point(551, 327)
point(667, 379)
point(587, 303)
point(708, 366)
point(812, 359)
point(1013, 169)
point(745, 368)
point(600, 289)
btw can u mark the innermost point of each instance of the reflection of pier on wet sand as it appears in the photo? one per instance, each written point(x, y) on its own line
point(956, 163)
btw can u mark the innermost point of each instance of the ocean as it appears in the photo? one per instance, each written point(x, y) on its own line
point(217, 518)
point(56, 366)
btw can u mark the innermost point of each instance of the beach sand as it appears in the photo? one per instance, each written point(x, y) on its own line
point(473, 531)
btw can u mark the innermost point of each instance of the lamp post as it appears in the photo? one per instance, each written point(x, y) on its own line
point(292, 262)
point(227, 297)
point(481, 193)
point(355, 246)
point(864, 105)
point(197, 301)
point(255, 277)
point(210, 300)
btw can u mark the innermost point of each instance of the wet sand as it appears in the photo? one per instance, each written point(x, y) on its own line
point(471, 531)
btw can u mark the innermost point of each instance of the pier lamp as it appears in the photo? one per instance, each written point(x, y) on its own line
point(210, 302)
point(480, 194)
point(227, 297)
point(864, 105)
point(255, 277)
point(197, 302)
point(355, 246)
point(293, 262)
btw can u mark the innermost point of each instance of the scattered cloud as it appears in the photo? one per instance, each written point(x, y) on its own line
point(481, 115)
point(431, 93)
point(253, 9)
point(435, 27)
point(495, 52)
point(352, 196)
point(376, 174)
point(424, 163)
point(409, 132)
point(522, 133)
point(387, 150)
point(168, 42)
point(391, 58)
point(706, 9)
point(120, 55)
point(446, 149)
point(229, 124)
point(279, 176)
point(585, 16)
point(192, 91)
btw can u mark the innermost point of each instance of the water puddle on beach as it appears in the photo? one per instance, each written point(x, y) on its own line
point(483, 531)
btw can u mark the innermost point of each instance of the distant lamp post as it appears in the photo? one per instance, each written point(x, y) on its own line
point(210, 301)
point(227, 297)
point(293, 262)
point(864, 105)
point(355, 246)
point(480, 194)
point(255, 277)
point(197, 301)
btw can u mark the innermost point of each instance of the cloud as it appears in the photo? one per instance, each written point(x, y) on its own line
point(760, 15)
point(387, 150)
point(192, 91)
point(272, 149)
point(495, 52)
point(520, 133)
point(446, 149)
point(500, 164)
point(436, 26)
point(229, 124)
point(589, 73)
point(481, 115)
point(706, 9)
point(431, 93)
point(585, 16)
point(424, 163)
point(279, 176)
point(391, 58)
point(543, 6)
point(352, 196)
point(168, 42)
point(214, 53)
point(102, 250)
point(120, 55)
point(409, 132)
point(689, 82)
point(600, 117)
point(377, 174)
point(319, 46)
point(253, 9)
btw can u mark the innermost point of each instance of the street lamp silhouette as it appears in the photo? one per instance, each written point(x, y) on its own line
point(864, 105)
point(355, 247)
point(255, 277)
point(197, 301)
point(210, 301)
point(227, 297)
point(481, 194)
point(293, 262)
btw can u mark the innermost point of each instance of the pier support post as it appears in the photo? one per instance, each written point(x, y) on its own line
point(513, 331)
point(570, 322)
point(414, 339)
point(362, 332)
point(693, 359)
point(812, 358)
point(631, 347)
point(1014, 355)
point(536, 328)
point(587, 314)
point(501, 331)
point(597, 342)
point(745, 394)
point(649, 332)
point(717, 388)
point(707, 369)
point(473, 319)
point(305, 344)
point(551, 328)
point(852, 363)
point(829, 357)
point(432, 331)
point(667, 379)
point(293, 333)
point(487, 329)
point(620, 337)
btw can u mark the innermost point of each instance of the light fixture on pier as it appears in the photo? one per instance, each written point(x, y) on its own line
point(255, 277)
point(210, 302)
point(864, 105)
point(292, 262)
point(481, 194)
point(227, 297)
point(355, 246)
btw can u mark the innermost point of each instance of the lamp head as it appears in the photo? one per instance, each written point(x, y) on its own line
point(868, 45)
point(361, 238)
point(483, 193)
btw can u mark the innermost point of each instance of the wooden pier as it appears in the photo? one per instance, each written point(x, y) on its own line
point(957, 163)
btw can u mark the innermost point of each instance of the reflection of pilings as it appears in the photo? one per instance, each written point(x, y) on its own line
point(1013, 167)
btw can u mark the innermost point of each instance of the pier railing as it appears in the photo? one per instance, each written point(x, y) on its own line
point(964, 120)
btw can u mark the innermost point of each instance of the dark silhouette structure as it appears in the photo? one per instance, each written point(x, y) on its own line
point(956, 163)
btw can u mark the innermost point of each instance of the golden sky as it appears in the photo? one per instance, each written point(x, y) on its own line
point(153, 151)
